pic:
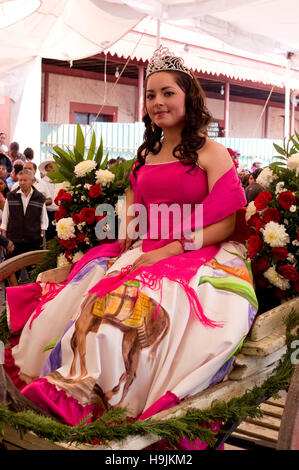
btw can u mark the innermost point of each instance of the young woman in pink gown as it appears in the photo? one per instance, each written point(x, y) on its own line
point(145, 323)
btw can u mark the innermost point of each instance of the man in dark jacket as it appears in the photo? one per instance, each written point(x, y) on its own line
point(24, 218)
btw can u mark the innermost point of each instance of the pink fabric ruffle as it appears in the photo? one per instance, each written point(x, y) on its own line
point(22, 301)
point(70, 411)
point(58, 403)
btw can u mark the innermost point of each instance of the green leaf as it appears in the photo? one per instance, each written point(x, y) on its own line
point(52, 345)
point(100, 151)
point(92, 147)
point(80, 144)
point(279, 149)
point(104, 164)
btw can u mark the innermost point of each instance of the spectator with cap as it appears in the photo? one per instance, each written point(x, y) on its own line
point(38, 184)
point(24, 218)
point(14, 153)
point(44, 168)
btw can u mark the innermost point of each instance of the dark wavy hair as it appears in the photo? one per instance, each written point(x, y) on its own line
point(197, 119)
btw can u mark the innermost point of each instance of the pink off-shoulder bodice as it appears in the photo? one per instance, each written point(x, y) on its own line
point(170, 183)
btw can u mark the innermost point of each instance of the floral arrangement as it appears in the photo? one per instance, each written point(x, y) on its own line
point(273, 244)
point(84, 184)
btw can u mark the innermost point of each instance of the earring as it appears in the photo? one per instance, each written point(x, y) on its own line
point(153, 126)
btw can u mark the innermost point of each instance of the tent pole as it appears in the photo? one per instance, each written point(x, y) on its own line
point(287, 98)
point(158, 39)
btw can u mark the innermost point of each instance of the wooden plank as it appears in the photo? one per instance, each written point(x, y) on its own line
point(270, 410)
point(10, 266)
point(258, 432)
point(55, 275)
point(268, 322)
point(245, 365)
point(269, 422)
point(277, 402)
point(267, 345)
point(29, 441)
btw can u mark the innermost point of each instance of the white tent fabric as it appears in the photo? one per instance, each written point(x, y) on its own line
point(57, 29)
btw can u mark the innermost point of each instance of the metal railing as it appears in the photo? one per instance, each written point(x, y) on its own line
point(123, 139)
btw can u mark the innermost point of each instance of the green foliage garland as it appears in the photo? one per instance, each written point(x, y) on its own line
point(115, 425)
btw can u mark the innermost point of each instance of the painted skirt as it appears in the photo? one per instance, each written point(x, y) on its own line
point(134, 346)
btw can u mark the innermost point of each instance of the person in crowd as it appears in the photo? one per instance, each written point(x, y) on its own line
point(7, 244)
point(112, 162)
point(253, 188)
point(24, 218)
point(234, 157)
point(3, 146)
point(5, 161)
point(47, 167)
point(120, 159)
point(4, 190)
point(255, 166)
point(13, 178)
point(38, 184)
point(14, 153)
point(169, 330)
point(29, 154)
point(3, 171)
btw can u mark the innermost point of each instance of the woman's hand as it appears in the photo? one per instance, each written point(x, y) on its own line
point(152, 257)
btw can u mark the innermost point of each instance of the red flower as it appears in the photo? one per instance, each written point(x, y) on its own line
point(280, 293)
point(57, 200)
point(69, 244)
point(76, 218)
point(262, 282)
point(289, 272)
point(255, 244)
point(66, 198)
point(257, 222)
point(297, 286)
point(68, 255)
point(280, 253)
point(262, 200)
point(271, 215)
point(286, 199)
point(95, 190)
point(262, 264)
point(60, 214)
point(80, 237)
point(88, 215)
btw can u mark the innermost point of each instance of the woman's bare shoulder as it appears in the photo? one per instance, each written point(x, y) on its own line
point(213, 153)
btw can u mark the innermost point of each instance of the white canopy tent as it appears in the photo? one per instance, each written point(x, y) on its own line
point(72, 29)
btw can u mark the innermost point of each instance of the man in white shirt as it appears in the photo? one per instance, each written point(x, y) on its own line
point(44, 168)
point(24, 218)
point(38, 184)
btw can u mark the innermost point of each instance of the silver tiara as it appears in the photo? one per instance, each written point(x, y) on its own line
point(164, 60)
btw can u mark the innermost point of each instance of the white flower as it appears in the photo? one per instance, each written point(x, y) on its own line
point(275, 234)
point(291, 258)
point(87, 186)
point(77, 256)
point(293, 163)
point(62, 261)
point(295, 242)
point(119, 206)
point(276, 279)
point(104, 177)
point(82, 168)
point(250, 210)
point(279, 187)
point(65, 228)
point(65, 185)
point(265, 177)
point(293, 208)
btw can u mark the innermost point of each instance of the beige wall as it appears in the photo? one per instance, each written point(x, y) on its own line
point(63, 89)
point(244, 117)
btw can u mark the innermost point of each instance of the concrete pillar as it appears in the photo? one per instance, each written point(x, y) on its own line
point(25, 112)
point(226, 109)
point(140, 93)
